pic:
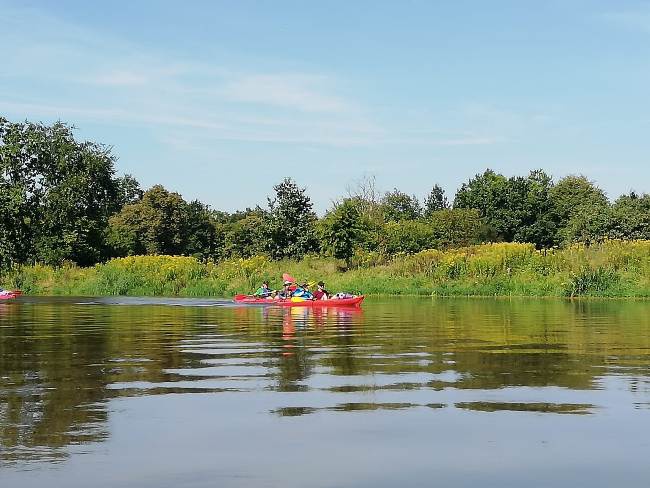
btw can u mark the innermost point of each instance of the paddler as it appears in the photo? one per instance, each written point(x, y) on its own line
point(303, 292)
point(263, 291)
point(321, 293)
point(286, 290)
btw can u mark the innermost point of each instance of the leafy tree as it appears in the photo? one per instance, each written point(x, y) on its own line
point(397, 206)
point(586, 226)
point(57, 195)
point(630, 217)
point(488, 193)
point(536, 224)
point(407, 236)
point(574, 193)
point(290, 228)
point(515, 208)
point(457, 227)
point(578, 207)
point(435, 201)
point(342, 230)
point(163, 223)
point(128, 190)
point(245, 237)
point(201, 237)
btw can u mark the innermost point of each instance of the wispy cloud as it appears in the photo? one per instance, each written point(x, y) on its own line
point(88, 75)
point(295, 91)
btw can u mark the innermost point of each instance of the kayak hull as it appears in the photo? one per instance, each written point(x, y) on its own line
point(10, 295)
point(333, 302)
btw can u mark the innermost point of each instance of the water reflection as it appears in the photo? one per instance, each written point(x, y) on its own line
point(63, 362)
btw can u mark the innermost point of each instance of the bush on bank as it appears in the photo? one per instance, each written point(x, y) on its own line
point(610, 269)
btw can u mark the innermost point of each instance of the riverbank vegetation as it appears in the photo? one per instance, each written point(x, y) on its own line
point(68, 224)
point(606, 269)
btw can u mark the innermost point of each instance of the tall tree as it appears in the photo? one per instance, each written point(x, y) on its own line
point(342, 230)
point(630, 217)
point(397, 206)
point(516, 208)
point(57, 194)
point(435, 201)
point(290, 228)
point(164, 223)
point(578, 208)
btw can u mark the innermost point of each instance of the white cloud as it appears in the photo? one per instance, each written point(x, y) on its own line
point(91, 76)
point(294, 91)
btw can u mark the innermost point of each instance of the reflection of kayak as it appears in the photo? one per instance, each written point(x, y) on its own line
point(332, 302)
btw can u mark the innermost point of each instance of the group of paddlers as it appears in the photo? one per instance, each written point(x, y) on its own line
point(293, 291)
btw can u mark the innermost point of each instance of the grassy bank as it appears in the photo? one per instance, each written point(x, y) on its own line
point(610, 269)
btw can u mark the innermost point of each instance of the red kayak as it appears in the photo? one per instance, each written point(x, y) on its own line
point(332, 302)
point(11, 294)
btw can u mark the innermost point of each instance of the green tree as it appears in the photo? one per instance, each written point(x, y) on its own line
point(630, 217)
point(202, 239)
point(245, 237)
point(586, 226)
point(290, 229)
point(457, 227)
point(57, 194)
point(517, 208)
point(164, 223)
point(579, 208)
point(342, 230)
point(129, 190)
point(533, 206)
point(435, 201)
point(406, 236)
point(397, 206)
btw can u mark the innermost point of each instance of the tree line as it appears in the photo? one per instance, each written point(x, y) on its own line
point(61, 201)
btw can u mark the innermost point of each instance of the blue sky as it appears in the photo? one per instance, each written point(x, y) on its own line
point(220, 100)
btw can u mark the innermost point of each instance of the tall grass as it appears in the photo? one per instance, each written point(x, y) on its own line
point(609, 269)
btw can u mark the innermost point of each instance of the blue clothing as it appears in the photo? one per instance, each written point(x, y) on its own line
point(302, 293)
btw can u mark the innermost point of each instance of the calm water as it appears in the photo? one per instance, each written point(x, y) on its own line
point(409, 392)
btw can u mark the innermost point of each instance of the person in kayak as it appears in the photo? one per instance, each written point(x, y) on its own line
point(321, 293)
point(303, 292)
point(285, 293)
point(263, 291)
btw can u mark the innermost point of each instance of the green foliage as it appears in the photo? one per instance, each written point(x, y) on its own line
point(436, 201)
point(56, 195)
point(610, 268)
point(406, 237)
point(342, 230)
point(630, 217)
point(129, 190)
point(457, 227)
point(163, 223)
point(60, 203)
point(575, 193)
point(246, 237)
point(517, 208)
point(397, 206)
point(291, 223)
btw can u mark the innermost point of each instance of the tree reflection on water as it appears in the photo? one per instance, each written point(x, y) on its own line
point(62, 362)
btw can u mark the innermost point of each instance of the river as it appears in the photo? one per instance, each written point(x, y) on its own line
point(112, 392)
